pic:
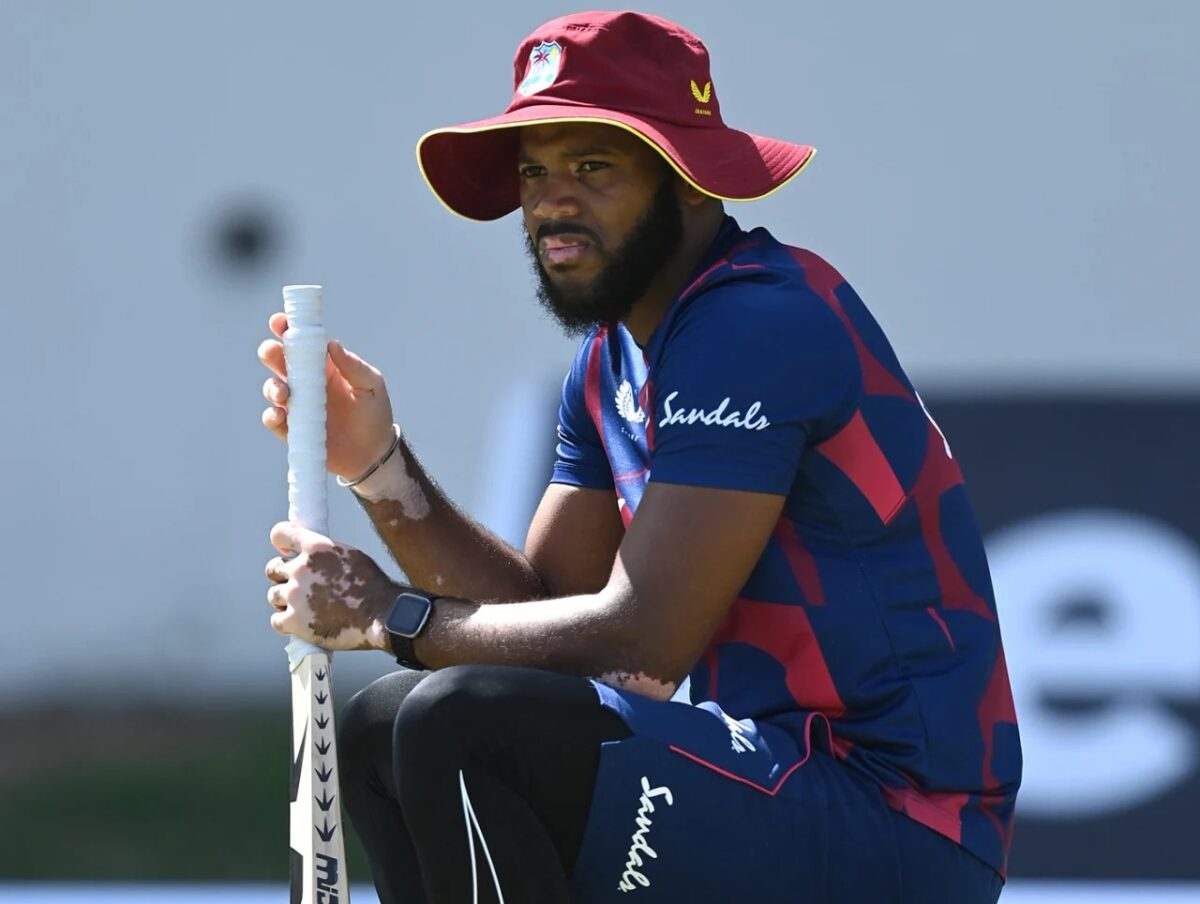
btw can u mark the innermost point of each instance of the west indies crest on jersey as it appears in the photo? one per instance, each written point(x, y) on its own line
point(545, 62)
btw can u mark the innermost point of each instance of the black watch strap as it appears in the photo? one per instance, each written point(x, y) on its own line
point(402, 649)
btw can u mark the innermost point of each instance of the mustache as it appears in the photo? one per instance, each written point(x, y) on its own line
point(548, 229)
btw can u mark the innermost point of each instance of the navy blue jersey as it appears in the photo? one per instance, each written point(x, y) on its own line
point(870, 610)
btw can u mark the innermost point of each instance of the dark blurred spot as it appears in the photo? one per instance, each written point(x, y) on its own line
point(1081, 612)
point(1077, 705)
point(246, 239)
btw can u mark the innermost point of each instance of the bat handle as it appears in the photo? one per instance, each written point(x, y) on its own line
point(297, 650)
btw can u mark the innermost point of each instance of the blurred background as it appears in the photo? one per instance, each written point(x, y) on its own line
point(1012, 188)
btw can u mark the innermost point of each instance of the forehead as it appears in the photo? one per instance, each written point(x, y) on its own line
point(569, 137)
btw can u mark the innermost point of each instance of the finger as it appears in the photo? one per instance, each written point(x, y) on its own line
point(275, 420)
point(292, 538)
point(281, 621)
point(275, 597)
point(285, 537)
point(275, 391)
point(278, 570)
point(357, 372)
point(270, 353)
point(278, 323)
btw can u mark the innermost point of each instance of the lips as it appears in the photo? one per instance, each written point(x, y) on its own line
point(564, 249)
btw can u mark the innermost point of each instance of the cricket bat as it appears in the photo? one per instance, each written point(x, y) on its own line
point(318, 858)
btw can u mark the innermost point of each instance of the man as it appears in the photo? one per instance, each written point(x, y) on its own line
point(748, 491)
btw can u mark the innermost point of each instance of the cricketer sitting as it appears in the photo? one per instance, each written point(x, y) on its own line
point(748, 492)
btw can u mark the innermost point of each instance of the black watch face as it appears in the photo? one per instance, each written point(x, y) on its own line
point(408, 614)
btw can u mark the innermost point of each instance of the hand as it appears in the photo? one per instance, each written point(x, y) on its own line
point(358, 410)
point(330, 594)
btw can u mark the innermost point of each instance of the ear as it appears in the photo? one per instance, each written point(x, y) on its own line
point(689, 195)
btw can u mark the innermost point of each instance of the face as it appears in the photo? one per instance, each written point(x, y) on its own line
point(602, 217)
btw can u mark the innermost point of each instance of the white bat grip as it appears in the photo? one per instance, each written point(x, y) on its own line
point(304, 349)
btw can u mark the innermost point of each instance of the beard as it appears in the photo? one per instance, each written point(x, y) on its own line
point(625, 274)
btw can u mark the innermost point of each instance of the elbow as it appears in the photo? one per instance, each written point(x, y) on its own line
point(640, 683)
point(661, 691)
point(640, 661)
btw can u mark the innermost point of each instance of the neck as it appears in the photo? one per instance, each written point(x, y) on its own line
point(698, 233)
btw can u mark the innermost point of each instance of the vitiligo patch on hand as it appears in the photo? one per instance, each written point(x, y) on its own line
point(348, 587)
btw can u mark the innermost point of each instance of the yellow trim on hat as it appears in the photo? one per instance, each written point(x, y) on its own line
point(590, 119)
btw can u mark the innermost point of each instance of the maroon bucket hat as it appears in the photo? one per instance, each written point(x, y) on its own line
point(630, 70)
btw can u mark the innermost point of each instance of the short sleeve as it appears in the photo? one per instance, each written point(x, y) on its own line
point(579, 457)
point(750, 375)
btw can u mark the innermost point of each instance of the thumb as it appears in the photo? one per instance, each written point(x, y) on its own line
point(292, 538)
point(354, 370)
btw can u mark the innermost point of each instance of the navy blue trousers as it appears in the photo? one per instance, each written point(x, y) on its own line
point(488, 783)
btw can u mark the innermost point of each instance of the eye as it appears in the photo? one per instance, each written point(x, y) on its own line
point(591, 166)
point(531, 171)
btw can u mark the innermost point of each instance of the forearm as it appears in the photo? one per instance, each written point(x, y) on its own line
point(440, 548)
point(588, 635)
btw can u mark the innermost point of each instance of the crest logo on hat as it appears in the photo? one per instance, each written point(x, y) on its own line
point(545, 61)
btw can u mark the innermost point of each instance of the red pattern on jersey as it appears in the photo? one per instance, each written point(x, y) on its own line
point(824, 280)
point(857, 455)
point(996, 708)
point(939, 474)
point(804, 566)
point(647, 402)
point(712, 662)
point(942, 812)
point(724, 261)
point(784, 633)
point(933, 613)
point(591, 384)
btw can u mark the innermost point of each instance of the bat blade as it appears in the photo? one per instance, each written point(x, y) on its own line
point(318, 859)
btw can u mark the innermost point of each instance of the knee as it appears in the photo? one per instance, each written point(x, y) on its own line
point(366, 720)
point(354, 727)
point(448, 703)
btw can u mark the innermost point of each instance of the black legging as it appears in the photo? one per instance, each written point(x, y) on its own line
point(525, 743)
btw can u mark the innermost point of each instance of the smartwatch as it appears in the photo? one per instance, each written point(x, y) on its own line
point(408, 617)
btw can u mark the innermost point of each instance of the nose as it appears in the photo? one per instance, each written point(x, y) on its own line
point(555, 196)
